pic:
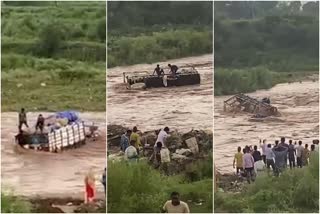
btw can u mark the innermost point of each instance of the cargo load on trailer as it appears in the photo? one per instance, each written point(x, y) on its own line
point(186, 76)
point(242, 102)
point(62, 130)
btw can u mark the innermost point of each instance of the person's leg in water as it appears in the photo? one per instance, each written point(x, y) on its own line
point(25, 123)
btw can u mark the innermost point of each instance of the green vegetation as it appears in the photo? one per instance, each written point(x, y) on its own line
point(139, 188)
point(161, 31)
point(14, 204)
point(53, 56)
point(295, 191)
point(258, 37)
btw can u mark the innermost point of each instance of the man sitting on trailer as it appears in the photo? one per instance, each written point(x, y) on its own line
point(158, 70)
point(173, 69)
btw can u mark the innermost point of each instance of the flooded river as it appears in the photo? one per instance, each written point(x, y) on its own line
point(297, 102)
point(49, 174)
point(180, 108)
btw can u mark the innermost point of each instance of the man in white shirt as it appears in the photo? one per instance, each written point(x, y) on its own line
point(299, 154)
point(162, 136)
point(263, 148)
point(131, 153)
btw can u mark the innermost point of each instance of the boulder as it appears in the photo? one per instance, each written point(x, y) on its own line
point(176, 156)
point(193, 145)
point(186, 152)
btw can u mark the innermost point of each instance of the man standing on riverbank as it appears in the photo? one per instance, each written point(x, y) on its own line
point(136, 138)
point(175, 205)
point(248, 165)
point(238, 161)
point(291, 153)
point(263, 148)
point(269, 158)
point(124, 141)
point(299, 154)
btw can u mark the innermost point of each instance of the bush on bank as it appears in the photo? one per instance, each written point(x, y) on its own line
point(140, 188)
point(295, 191)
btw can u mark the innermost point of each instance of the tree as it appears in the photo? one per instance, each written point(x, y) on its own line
point(50, 39)
point(311, 8)
point(101, 29)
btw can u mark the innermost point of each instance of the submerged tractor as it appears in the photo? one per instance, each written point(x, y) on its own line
point(242, 102)
point(62, 130)
point(188, 76)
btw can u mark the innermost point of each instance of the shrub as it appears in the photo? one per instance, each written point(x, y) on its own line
point(286, 193)
point(14, 204)
point(143, 189)
point(50, 40)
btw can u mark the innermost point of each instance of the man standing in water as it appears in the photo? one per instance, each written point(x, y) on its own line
point(175, 205)
point(22, 119)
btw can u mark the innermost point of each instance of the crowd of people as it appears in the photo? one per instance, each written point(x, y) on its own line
point(130, 145)
point(248, 161)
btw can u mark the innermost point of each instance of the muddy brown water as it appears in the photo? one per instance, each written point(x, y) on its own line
point(180, 108)
point(45, 174)
point(297, 102)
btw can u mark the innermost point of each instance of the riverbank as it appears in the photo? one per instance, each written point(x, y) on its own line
point(286, 193)
point(62, 204)
point(189, 172)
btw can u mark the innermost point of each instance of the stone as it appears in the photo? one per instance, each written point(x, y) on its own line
point(186, 152)
point(176, 156)
point(193, 145)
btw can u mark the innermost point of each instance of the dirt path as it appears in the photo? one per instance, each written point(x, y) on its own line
point(299, 105)
point(181, 108)
point(32, 173)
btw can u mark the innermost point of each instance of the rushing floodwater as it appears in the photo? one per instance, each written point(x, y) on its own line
point(180, 108)
point(49, 174)
point(297, 102)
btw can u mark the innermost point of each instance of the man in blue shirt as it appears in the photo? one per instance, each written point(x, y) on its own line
point(124, 142)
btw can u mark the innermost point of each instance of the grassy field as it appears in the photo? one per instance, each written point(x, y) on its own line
point(53, 56)
point(173, 30)
point(258, 53)
point(152, 189)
